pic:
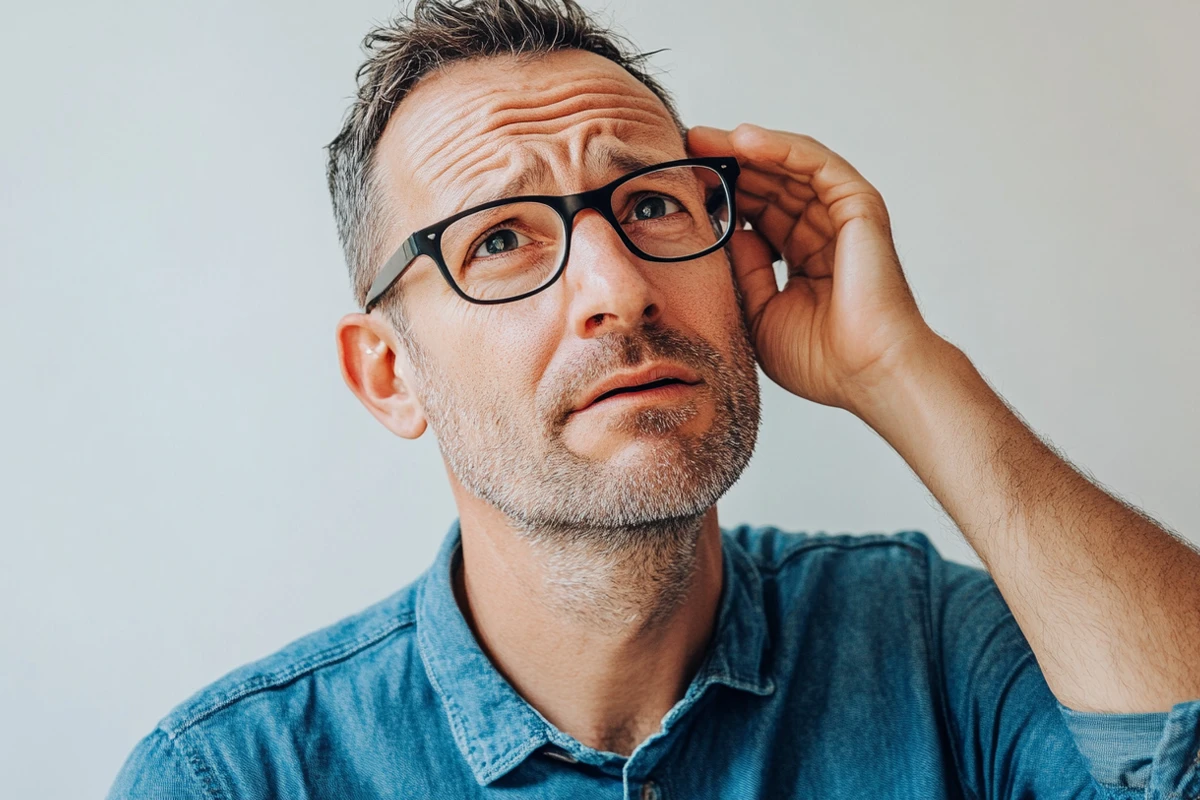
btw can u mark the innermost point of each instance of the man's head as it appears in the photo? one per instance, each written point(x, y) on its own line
point(465, 102)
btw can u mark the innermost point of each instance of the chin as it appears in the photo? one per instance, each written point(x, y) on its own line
point(665, 458)
point(647, 430)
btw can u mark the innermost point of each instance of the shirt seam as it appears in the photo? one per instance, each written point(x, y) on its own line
point(922, 554)
point(265, 681)
point(938, 668)
point(200, 770)
point(482, 764)
point(806, 547)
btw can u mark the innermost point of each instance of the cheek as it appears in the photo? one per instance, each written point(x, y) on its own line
point(502, 352)
point(703, 298)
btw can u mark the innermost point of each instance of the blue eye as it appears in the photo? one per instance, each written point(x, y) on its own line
point(654, 207)
point(501, 241)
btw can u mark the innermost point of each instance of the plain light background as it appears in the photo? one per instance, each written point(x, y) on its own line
point(186, 483)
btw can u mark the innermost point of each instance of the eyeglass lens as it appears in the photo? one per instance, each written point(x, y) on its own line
point(512, 249)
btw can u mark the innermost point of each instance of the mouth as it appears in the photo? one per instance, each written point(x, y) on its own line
point(641, 387)
point(657, 384)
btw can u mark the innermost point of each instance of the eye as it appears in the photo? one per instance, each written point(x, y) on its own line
point(654, 206)
point(500, 241)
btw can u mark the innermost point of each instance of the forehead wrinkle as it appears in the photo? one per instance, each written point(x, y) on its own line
point(604, 157)
point(481, 168)
point(478, 105)
point(496, 114)
point(497, 128)
point(464, 130)
point(577, 118)
point(612, 159)
point(480, 110)
point(544, 98)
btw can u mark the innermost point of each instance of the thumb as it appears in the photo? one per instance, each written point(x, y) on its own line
point(866, 266)
point(753, 269)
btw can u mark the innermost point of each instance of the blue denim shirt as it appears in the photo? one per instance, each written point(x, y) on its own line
point(840, 667)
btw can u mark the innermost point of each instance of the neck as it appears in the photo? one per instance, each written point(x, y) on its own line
point(600, 630)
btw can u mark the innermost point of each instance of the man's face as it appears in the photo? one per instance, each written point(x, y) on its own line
point(508, 388)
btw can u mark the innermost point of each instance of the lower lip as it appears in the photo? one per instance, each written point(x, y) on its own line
point(658, 394)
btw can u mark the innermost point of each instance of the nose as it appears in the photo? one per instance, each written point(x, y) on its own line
point(607, 284)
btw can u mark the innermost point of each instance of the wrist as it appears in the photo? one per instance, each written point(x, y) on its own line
point(912, 383)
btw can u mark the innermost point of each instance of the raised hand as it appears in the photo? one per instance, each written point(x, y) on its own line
point(846, 314)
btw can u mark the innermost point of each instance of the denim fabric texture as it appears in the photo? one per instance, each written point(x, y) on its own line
point(840, 667)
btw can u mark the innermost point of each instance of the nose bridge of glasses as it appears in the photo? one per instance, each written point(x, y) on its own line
point(598, 200)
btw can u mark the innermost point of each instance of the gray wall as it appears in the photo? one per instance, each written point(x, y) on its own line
point(186, 483)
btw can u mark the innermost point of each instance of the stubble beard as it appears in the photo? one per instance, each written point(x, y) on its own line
point(609, 534)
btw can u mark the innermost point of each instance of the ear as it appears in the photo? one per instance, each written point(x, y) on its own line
point(376, 369)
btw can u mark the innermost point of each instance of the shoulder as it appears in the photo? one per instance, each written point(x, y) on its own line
point(903, 568)
point(843, 604)
point(273, 709)
point(157, 769)
point(338, 654)
point(773, 550)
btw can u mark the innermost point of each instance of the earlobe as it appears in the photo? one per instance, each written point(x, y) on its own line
point(376, 368)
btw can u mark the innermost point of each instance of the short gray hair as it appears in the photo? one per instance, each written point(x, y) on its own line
point(437, 33)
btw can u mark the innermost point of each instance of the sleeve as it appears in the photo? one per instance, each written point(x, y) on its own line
point(1160, 752)
point(1011, 735)
point(156, 770)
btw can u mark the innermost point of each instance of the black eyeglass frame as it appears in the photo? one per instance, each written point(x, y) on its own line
point(427, 240)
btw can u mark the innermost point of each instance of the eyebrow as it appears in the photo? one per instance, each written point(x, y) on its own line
point(605, 157)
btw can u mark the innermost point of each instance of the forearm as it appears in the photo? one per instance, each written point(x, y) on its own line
point(1109, 601)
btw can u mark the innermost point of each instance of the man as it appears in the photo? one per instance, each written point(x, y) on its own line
point(585, 355)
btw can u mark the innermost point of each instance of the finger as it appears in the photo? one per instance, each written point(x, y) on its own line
point(797, 228)
point(798, 240)
point(706, 141)
point(811, 238)
point(769, 221)
point(837, 184)
point(808, 243)
point(703, 140)
point(789, 195)
point(794, 154)
point(752, 267)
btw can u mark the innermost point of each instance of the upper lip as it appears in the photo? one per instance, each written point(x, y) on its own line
point(647, 374)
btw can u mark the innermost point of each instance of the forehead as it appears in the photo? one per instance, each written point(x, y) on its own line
point(552, 124)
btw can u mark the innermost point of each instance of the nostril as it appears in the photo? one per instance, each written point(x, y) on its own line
point(651, 311)
point(597, 319)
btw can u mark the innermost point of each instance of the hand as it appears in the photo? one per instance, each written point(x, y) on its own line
point(846, 315)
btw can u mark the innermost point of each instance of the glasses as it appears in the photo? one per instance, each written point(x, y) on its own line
point(512, 248)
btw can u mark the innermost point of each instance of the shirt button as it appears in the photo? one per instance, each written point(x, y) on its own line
point(649, 791)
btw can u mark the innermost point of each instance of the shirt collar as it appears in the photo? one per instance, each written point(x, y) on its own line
point(496, 729)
